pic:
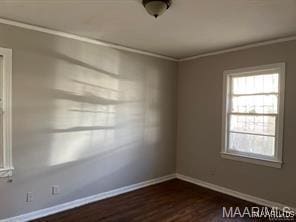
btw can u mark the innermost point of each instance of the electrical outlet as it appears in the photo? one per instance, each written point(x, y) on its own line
point(55, 189)
point(29, 197)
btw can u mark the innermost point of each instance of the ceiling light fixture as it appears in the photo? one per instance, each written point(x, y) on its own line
point(156, 7)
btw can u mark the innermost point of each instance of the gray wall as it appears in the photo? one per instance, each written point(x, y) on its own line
point(85, 117)
point(199, 125)
point(92, 119)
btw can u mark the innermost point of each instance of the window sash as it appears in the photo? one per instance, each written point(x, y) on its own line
point(255, 94)
point(253, 114)
point(229, 113)
point(249, 133)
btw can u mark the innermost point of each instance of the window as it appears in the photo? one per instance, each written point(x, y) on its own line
point(5, 113)
point(253, 102)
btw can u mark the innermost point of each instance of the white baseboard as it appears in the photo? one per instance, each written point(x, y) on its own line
point(233, 193)
point(83, 201)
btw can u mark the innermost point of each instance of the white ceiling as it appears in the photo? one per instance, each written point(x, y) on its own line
point(188, 28)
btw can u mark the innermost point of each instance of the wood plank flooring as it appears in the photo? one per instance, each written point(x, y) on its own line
point(174, 200)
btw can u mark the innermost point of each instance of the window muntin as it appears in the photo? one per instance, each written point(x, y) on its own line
point(253, 115)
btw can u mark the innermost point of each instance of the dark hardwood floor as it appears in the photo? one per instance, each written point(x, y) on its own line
point(173, 200)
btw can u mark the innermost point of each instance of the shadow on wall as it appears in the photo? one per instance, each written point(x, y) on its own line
point(89, 116)
point(78, 112)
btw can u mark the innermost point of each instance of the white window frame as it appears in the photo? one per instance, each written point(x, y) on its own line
point(275, 161)
point(5, 108)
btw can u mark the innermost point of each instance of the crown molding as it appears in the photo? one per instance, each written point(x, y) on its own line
point(83, 39)
point(233, 49)
point(128, 49)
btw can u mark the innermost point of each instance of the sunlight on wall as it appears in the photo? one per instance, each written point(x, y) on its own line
point(153, 118)
point(84, 113)
point(96, 111)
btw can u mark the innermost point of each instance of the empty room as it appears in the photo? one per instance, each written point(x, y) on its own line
point(147, 110)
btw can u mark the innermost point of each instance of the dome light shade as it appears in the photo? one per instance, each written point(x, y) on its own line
point(156, 7)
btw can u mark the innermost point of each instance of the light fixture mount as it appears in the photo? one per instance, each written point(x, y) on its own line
point(156, 7)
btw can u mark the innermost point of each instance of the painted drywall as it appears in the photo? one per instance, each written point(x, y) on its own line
point(85, 117)
point(199, 125)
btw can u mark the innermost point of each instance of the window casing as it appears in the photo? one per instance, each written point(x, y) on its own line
point(6, 167)
point(253, 108)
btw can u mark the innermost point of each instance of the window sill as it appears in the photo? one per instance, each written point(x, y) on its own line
point(258, 161)
point(6, 172)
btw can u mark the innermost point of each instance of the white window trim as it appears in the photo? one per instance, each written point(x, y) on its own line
point(255, 159)
point(7, 169)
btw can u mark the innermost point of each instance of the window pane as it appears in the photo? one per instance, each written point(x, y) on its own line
point(253, 124)
point(255, 84)
point(263, 145)
point(255, 104)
